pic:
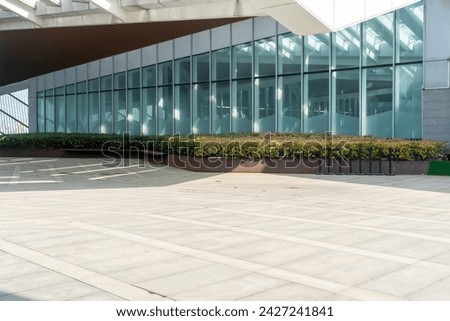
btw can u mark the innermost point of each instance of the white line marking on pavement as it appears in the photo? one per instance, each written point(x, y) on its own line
point(120, 175)
point(69, 167)
point(44, 161)
point(104, 169)
point(15, 178)
point(55, 174)
point(27, 182)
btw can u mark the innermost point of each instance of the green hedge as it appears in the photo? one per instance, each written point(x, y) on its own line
point(239, 145)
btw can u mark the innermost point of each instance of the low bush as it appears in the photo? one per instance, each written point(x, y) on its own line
point(240, 145)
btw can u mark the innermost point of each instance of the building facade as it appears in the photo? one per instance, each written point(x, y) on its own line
point(384, 77)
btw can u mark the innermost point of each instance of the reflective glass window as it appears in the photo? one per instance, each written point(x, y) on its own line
point(289, 103)
point(346, 47)
point(82, 108)
point(289, 54)
point(221, 64)
point(264, 105)
point(408, 101)
point(165, 110)
point(241, 113)
point(71, 114)
point(183, 71)
point(106, 100)
point(378, 101)
point(410, 33)
point(134, 111)
point(378, 40)
point(182, 112)
point(94, 106)
point(317, 52)
point(200, 108)
point(316, 103)
point(40, 112)
point(149, 117)
point(347, 102)
point(165, 76)
point(149, 76)
point(60, 110)
point(242, 61)
point(221, 106)
point(200, 65)
point(265, 57)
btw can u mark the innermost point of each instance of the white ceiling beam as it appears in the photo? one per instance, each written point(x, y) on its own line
point(21, 10)
point(112, 7)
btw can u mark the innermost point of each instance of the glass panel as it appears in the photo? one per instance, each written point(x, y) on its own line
point(317, 103)
point(165, 73)
point(220, 102)
point(221, 64)
point(49, 111)
point(165, 110)
point(378, 91)
point(149, 76)
point(200, 68)
point(106, 83)
point(378, 40)
point(346, 47)
point(134, 111)
point(82, 112)
point(134, 78)
point(317, 52)
point(410, 33)
point(71, 109)
point(119, 81)
point(81, 87)
point(200, 109)
point(242, 61)
point(289, 103)
point(60, 110)
point(408, 102)
point(242, 106)
point(289, 54)
point(106, 112)
point(120, 111)
point(183, 71)
point(149, 103)
point(264, 105)
point(265, 56)
point(182, 113)
point(347, 102)
point(93, 85)
point(40, 112)
point(94, 106)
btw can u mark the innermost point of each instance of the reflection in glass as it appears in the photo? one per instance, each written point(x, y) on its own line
point(346, 101)
point(289, 104)
point(82, 108)
point(410, 33)
point(264, 105)
point(378, 102)
point(200, 108)
point(242, 61)
point(183, 71)
point(49, 111)
point(317, 52)
point(200, 64)
point(106, 126)
point(316, 103)
point(220, 102)
point(120, 111)
point(60, 110)
point(408, 102)
point(289, 54)
point(165, 73)
point(94, 105)
point(149, 76)
point(71, 109)
point(265, 56)
point(378, 40)
point(182, 113)
point(40, 112)
point(346, 47)
point(165, 110)
point(241, 113)
point(134, 111)
point(149, 104)
point(221, 64)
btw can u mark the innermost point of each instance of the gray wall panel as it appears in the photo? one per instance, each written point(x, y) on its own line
point(94, 69)
point(265, 27)
point(60, 79)
point(220, 37)
point(134, 59)
point(242, 31)
point(81, 72)
point(182, 47)
point(106, 66)
point(149, 55)
point(201, 42)
point(165, 51)
point(49, 81)
point(71, 75)
point(120, 62)
point(436, 114)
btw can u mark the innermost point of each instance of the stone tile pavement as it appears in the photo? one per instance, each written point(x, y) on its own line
point(74, 229)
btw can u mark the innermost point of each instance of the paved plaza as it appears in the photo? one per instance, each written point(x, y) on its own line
point(77, 229)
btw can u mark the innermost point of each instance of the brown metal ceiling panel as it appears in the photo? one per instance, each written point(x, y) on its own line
point(28, 53)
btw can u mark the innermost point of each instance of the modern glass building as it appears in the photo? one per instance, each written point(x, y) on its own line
point(254, 75)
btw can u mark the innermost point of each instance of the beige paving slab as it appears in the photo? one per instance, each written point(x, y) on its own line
point(290, 292)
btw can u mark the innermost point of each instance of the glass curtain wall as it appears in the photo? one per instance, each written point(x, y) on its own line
point(362, 80)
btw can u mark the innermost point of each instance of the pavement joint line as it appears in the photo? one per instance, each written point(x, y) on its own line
point(123, 174)
point(237, 263)
point(69, 167)
point(104, 169)
point(345, 225)
point(76, 272)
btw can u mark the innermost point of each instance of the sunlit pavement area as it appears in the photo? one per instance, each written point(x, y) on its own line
point(77, 229)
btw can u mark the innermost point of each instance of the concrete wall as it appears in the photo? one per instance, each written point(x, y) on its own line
point(436, 98)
